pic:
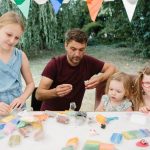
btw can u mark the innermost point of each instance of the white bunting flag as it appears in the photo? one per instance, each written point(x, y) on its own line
point(40, 1)
point(130, 6)
point(66, 1)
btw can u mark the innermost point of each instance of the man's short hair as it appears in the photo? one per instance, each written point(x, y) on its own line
point(76, 35)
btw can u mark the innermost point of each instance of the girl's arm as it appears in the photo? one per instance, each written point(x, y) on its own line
point(27, 76)
point(145, 109)
point(129, 109)
point(100, 107)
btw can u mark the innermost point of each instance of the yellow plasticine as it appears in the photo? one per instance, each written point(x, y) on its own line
point(14, 140)
point(92, 142)
point(37, 125)
point(126, 135)
point(101, 119)
point(7, 118)
point(73, 141)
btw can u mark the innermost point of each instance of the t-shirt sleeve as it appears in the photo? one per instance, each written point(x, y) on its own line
point(127, 104)
point(50, 69)
point(95, 65)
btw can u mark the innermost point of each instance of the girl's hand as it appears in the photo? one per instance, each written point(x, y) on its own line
point(4, 109)
point(17, 103)
point(145, 109)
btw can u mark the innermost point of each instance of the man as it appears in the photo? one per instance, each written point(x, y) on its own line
point(66, 77)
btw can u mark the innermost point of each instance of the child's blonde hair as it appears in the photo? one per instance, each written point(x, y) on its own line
point(121, 77)
point(137, 88)
point(11, 18)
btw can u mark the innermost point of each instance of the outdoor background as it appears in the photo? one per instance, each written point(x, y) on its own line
point(112, 37)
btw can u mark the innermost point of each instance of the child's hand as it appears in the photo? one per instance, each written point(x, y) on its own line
point(4, 108)
point(145, 109)
point(17, 103)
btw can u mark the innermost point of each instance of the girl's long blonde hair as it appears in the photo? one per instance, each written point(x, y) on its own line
point(11, 18)
point(121, 77)
point(137, 88)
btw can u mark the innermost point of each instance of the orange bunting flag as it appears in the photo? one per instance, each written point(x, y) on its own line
point(94, 7)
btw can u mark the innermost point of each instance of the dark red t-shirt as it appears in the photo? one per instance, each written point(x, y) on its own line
point(61, 72)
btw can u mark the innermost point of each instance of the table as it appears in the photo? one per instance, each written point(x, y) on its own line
point(56, 134)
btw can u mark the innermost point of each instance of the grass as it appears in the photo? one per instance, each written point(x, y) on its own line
point(122, 57)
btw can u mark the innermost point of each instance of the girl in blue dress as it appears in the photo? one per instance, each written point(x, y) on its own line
point(14, 64)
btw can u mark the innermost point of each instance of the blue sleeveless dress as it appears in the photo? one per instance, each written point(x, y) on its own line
point(10, 77)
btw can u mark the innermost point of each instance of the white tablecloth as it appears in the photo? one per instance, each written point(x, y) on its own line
point(57, 134)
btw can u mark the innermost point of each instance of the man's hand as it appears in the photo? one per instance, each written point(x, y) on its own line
point(92, 82)
point(63, 89)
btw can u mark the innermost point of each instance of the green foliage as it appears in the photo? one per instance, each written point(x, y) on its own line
point(45, 30)
point(141, 29)
point(92, 27)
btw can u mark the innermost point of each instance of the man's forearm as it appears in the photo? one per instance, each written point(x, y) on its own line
point(111, 69)
point(43, 94)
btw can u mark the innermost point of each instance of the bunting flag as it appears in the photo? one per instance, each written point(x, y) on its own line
point(94, 7)
point(23, 5)
point(40, 1)
point(66, 1)
point(130, 6)
point(19, 2)
point(56, 5)
point(108, 0)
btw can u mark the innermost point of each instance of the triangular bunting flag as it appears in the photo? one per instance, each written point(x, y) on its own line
point(23, 5)
point(40, 1)
point(56, 5)
point(19, 2)
point(130, 6)
point(94, 7)
point(66, 1)
point(108, 0)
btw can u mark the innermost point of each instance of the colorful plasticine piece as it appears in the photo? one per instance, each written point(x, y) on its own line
point(101, 119)
point(41, 117)
point(96, 145)
point(2, 125)
point(71, 144)
point(116, 138)
point(7, 118)
point(109, 119)
point(14, 140)
point(62, 119)
point(9, 128)
point(91, 145)
point(134, 134)
point(142, 143)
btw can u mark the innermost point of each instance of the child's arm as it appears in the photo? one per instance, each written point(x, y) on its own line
point(129, 109)
point(100, 107)
point(145, 109)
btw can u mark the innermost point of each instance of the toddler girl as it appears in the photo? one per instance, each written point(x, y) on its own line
point(117, 94)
